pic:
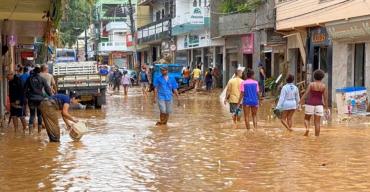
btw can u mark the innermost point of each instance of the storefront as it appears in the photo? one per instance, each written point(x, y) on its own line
point(198, 48)
point(351, 52)
point(320, 55)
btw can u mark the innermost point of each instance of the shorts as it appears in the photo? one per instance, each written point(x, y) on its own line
point(144, 84)
point(165, 106)
point(234, 109)
point(17, 111)
point(317, 110)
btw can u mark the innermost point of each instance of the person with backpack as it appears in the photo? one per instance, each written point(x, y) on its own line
point(208, 79)
point(117, 75)
point(34, 89)
point(144, 80)
point(16, 99)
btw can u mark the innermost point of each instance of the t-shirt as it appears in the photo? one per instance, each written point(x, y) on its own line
point(126, 80)
point(186, 73)
point(165, 87)
point(233, 88)
point(250, 89)
point(49, 78)
point(196, 73)
point(61, 99)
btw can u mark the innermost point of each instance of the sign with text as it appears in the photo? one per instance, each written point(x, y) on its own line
point(319, 36)
point(197, 16)
point(248, 44)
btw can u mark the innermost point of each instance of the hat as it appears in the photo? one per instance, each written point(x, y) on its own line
point(37, 66)
point(164, 67)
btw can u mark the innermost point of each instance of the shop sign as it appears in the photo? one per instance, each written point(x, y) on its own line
point(191, 41)
point(319, 36)
point(350, 29)
point(117, 54)
point(247, 44)
point(197, 16)
point(129, 40)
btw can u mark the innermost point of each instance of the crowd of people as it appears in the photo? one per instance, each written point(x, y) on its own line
point(33, 89)
point(246, 95)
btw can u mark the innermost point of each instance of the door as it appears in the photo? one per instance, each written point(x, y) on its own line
point(359, 65)
point(320, 61)
point(248, 61)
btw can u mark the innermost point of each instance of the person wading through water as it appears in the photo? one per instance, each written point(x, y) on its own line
point(17, 99)
point(34, 89)
point(165, 87)
point(50, 108)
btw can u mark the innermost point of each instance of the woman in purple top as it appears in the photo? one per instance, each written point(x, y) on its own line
point(249, 93)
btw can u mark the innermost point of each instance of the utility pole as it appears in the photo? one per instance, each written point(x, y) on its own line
point(86, 55)
point(132, 29)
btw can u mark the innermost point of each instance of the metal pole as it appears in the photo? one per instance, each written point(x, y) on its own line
point(132, 29)
point(86, 55)
point(77, 50)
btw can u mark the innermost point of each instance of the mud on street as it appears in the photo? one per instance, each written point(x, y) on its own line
point(199, 150)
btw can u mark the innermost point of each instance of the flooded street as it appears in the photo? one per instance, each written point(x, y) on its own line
point(198, 151)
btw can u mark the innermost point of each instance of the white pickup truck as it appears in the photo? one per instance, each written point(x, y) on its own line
point(82, 78)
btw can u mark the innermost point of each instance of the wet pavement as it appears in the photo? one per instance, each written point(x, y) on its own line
point(198, 151)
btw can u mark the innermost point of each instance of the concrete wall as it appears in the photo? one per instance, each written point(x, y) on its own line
point(298, 13)
point(142, 16)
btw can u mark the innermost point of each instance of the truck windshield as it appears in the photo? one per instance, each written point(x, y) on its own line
point(66, 53)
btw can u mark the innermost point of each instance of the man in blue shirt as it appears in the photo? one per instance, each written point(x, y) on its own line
point(165, 87)
point(50, 109)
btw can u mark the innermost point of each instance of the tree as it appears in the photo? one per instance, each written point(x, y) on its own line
point(76, 18)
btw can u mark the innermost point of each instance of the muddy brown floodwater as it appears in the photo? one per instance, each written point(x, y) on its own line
point(198, 151)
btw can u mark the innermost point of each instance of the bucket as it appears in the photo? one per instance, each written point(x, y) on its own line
point(78, 130)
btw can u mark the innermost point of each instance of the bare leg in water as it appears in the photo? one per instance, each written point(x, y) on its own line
point(317, 125)
point(15, 123)
point(307, 119)
point(290, 119)
point(284, 119)
point(247, 112)
point(254, 116)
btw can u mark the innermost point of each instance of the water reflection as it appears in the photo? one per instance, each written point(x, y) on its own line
point(198, 151)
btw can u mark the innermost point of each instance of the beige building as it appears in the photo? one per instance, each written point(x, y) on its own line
point(333, 35)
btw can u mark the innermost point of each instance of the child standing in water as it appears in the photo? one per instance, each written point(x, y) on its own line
point(288, 102)
point(316, 100)
point(126, 82)
point(249, 93)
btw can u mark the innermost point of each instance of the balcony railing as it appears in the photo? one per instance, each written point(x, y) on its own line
point(117, 26)
point(112, 46)
point(154, 31)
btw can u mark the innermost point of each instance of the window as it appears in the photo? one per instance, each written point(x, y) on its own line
point(359, 65)
point(200, 3)
point(157, 15)
point(163, 13)
point(194, 3)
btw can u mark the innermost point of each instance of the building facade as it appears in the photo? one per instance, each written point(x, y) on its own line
point(112, 25)
point(153, 26)
point(250, 38)
point(328, 35)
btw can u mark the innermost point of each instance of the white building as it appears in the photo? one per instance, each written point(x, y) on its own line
point(116, 39)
